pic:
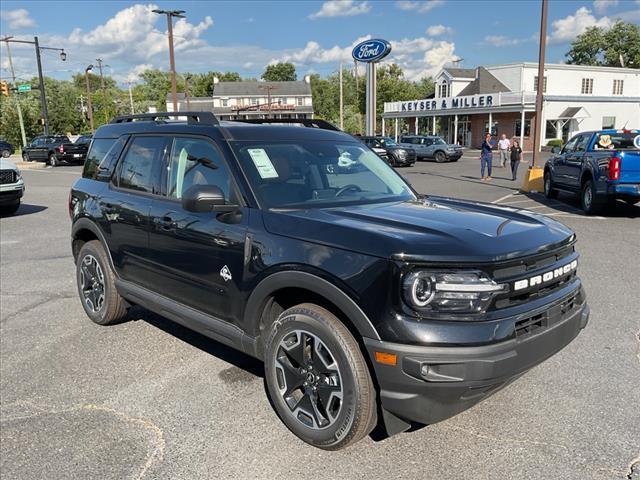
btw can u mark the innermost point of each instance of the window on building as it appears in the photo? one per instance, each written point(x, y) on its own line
point(608, 123)
point(494, 128)
point(225, 102)
point(300, 101)
point(551, 131)
point(618, 87)
point(587, 86)
point(443, 89)
point(527, 127)
point(544, 84)
point(253, 101)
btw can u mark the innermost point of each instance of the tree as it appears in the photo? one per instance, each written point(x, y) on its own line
point(600, 46)
point(280, 72)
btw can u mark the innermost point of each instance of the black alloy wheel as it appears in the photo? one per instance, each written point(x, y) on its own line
point(25, 157)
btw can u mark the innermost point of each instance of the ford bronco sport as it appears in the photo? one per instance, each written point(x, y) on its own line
point(366, 301)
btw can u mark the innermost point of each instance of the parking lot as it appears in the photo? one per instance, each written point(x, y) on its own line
point(150, 399)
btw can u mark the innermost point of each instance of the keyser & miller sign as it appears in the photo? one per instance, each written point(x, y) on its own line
point(468, 101)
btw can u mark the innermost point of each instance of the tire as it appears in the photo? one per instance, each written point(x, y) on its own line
point(440, 157)
point(53, 160)
point(10, 209)
point(335, 422)
point(631, 201)
point(588, 198)
point(6, 153)
point(104, 305)
point(549, 191)
point(25, 157)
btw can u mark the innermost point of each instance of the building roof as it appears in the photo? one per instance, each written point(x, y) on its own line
point(485, 82)
point(261, 88)
point(461, 72)
point(569, 113)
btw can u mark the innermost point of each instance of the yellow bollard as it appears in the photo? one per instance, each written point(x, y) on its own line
point(533, 180)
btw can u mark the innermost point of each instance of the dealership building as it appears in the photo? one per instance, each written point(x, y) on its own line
point(252, 99)
point(468, 102)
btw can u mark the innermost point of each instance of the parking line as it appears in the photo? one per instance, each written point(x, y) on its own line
point(503, 198)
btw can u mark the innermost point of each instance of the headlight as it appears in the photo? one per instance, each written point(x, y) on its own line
point(449, 292)
point(402, 153)
point(18, 175)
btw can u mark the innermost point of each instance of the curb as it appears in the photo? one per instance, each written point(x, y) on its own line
point(30, 165)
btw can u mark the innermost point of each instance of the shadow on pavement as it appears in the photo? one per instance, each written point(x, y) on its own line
point(25, 209)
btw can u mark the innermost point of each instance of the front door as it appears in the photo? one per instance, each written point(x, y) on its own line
point(198, 257)
point(574, 160)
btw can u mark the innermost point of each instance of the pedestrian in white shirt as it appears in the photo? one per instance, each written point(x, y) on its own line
point(503, 146)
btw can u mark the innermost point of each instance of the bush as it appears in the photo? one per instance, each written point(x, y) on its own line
point(556, 142)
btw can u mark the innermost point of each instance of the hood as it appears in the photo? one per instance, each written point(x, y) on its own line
point(7, 165)
point(435, 229)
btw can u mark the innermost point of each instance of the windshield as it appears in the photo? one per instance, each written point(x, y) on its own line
point(316, 174)
point(388, 142)
point(617, 141)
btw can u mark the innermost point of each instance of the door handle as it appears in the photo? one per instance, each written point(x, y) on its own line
point(166, 223)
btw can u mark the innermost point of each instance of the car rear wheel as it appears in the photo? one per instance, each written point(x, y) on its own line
point(549, 191)
point(96, 286)
point(25, 157)
point(588, 198)
point(440, 157)
point(6, 153)
point(53, 160)
point(317, 378)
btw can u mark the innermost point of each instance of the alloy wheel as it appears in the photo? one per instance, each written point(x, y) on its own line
point(308, 379)
point(587, 197)
point(92, 283)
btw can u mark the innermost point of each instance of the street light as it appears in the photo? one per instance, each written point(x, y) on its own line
point(172, 63)
point(89, 105)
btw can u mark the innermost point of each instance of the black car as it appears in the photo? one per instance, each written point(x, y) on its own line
point(44, 149)
point(398, 156)
point(71, 152)
point(366, 301)
point(6, 149)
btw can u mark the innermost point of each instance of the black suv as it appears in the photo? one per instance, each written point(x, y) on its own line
point(365, 300)
point(398, 155)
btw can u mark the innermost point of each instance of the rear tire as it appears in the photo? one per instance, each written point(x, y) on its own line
point(25, 157)
point(549, 191)
point(53, 160)
point(337, 405)
point(588, 198)
point(97, 287)
point(440, 157)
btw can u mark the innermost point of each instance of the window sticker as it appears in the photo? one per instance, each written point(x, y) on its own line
point(605, 141)
point(263, 163)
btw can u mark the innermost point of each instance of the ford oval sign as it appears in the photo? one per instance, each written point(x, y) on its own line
point(371, 50)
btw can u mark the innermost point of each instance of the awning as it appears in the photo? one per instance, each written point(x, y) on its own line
point(571, 113)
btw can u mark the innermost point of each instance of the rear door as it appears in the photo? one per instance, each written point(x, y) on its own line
point(198, 257)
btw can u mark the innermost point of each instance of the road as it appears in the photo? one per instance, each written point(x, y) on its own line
point(150, 399)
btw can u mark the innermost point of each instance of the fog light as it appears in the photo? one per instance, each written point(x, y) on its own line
point(424, 370)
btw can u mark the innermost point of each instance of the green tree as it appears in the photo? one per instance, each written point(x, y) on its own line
point(600, 46)
point(280, 72)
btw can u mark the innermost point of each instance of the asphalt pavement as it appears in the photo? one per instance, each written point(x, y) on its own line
point(150, 399)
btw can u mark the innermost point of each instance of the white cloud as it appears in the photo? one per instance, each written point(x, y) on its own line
point(18, 19)
point(437, 30)
point(341, 8)
point(419, 6)
point(502, 41)
point(565, 30)
point(601, 6)
point(134, 73)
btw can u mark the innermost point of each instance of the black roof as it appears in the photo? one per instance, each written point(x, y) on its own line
point(485, 82)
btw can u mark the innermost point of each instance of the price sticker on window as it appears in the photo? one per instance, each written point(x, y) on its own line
point(263, 163)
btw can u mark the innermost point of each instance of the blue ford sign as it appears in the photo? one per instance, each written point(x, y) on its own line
point(371, 50)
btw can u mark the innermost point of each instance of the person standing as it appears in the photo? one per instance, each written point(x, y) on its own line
point(516, 156)
point(503, 146)
point(486, 157)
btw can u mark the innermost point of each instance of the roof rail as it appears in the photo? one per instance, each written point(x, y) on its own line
point(307, 122)
point(201, 118)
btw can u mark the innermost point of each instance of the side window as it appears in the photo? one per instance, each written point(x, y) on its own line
point(428, 141)
point(571, 145)
point(195, 162)
point(140, 167)
point(581, 145)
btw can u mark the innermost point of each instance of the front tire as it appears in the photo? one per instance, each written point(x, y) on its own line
point(318, 379)
point(549, 191)
point(588, 198)
point(10, 209)
point(440, 157)
point(97, 287)
point(6, 153)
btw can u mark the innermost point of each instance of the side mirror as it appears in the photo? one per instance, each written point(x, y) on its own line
point(556, 149)
point(205, 198)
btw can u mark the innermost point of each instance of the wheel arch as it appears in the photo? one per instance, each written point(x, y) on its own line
point(585, 176)
point(294, 287)
point(85, 230)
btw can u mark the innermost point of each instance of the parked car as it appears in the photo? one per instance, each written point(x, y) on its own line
point(398, 156)
point(600, 166)
point(11, 187)
point(71, 152)
point(361, 296)
point(6, 149)
point(432, 147)
point(44, 149)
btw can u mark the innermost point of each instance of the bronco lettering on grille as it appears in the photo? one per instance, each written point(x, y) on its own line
point(545, 277)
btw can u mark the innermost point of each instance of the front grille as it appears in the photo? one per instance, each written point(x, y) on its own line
point(549, 318)
point(532, 266)
point(7, 176)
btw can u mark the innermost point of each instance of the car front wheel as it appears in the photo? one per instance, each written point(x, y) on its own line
point(440, 157)
point(318, 379)
point(6, 153)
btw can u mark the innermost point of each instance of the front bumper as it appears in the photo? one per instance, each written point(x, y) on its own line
point(10, 194)
point(429, 384)
point(454, 155)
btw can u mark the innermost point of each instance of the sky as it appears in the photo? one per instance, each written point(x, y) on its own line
point(316, 36)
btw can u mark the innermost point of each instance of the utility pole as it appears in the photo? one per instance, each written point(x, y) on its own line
point(89, 105)
point(172, 63)
point(43, 97)
point(13, 76)
point(186, 91)
point(131, 98)
point(539, 94)
point(268, 88)
point(341, 102)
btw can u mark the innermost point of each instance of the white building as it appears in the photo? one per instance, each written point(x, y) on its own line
point(251, 99)
point(469, 102)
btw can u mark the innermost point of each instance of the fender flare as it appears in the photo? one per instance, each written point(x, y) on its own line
point(308, 281)
point(85, 223)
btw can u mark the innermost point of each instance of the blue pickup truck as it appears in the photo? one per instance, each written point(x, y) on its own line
point(600, 166)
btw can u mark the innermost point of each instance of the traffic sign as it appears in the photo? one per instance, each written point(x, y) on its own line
point(25, 87)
